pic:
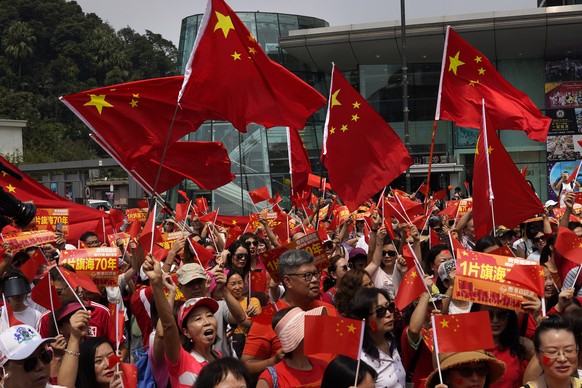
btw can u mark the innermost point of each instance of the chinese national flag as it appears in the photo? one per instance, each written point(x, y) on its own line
point(260, 194)
point(503, 251)
point(317, 182)
point(134, 229)
point(143, 204)
point(79, 280)
point(441, 194)
point(150, 235)
point(266, 315)
point(209, 217)
point(129, 376)
point(29, 268)
point(527, 276)
point(423, 188)
point(115, 334)
point(184, 196)
point(81, 218)
point(202, 205)
point(411, 287)
point(298, 161)
point(448, 329)
point(115, 114)
point(569, 245)
point(451, 210)
point(276, 199)
point(336, 335)
point(281, 227)
point(574, 173)
point(43, 292)
point(182, 211)
point(361, 151)
point(513, 199)
point(258, 280)
point(408, 255)
point(203, 254)
point(433, 238)
point(467, 77)
point(233, 233)
point(229, 75)
point(117, 217)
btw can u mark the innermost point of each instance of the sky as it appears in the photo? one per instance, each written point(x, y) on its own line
point(164, 16)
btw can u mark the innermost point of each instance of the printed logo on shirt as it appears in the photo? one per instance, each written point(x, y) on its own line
point(92, 331)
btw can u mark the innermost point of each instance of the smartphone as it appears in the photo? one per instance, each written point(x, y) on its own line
point(59, 227)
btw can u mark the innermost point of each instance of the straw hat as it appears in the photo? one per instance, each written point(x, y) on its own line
point(453, 360)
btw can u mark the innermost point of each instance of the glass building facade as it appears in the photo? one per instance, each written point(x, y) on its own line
point(259, 157)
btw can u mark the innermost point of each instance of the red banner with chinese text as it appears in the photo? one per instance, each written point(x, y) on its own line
point(100, 264)
point(47, 219)
point(29, 239)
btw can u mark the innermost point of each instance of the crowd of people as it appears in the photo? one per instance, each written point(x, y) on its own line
point(189, 325)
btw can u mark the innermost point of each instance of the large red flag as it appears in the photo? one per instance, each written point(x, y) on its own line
point(29, 268)
point(43, 292)
point(117, 217)
point(361, 151)
point(569, 245)
point(260, 194)
point(229, 75)
point(527, 276)
point(448, 329)
point(411, 287)
point(81, 218)
point(336, 335)
point(467, 77)
point(496, 179)
point(299, 164)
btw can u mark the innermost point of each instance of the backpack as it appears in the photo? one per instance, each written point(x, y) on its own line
point(145, 379)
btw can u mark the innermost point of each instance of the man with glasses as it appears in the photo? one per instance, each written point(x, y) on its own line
point(25, 358)
point(300, 278)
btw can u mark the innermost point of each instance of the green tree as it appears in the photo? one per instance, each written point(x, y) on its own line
point(18, 42)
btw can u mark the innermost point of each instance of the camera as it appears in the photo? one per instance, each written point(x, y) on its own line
point(12, 208)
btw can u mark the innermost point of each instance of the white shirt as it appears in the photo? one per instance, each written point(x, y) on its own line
point(390, 369)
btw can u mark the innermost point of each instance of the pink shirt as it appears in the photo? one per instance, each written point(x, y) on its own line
point(184, 373)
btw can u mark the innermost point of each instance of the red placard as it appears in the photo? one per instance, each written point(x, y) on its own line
point(47, 219)
point(136, 214)
point(29, 239)
point(100, 264)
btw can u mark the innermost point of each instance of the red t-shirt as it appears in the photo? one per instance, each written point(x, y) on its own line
point(263, 343)
point(514, 369)
point(98, 324)
point(140, 303)
point(423, 366)
point(291, 377)
point(184, 373)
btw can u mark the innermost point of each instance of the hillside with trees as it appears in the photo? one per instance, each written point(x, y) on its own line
point(50, 48)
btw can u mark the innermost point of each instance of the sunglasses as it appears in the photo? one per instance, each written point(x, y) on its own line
point(389, 253)
point(500, 315)
point(467, 372)
point(30, 363)
point(382, 310)
point(539, 239)
point(240, 255)
point(253, 243)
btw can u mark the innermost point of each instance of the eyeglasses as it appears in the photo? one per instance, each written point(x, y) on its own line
point(389, 253)
point(501, 315)
point(253, 243)
point(480, 370)
point(553, 353)
point(30, 363)
point(240, 255)
point(307, 276)
point(382, 310)
point(539, 239)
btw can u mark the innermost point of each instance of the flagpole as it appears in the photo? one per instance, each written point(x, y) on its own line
point(117, 328)
point(153, 226)
point(5, 312)
point(452, 249)
point(436, 348)
point(421, 273)
point(360, 352)
point(289, 153)
point(400, 214)
point(66, 282)
point(401, 206)
point(52, 305)
point(485, 140)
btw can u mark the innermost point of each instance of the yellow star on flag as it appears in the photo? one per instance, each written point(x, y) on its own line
point(334, 100)
point(472, 83)
point(478, 59)
point(444, 323)
point(252, 50)
point(224, 23)
point(489, 150)
point(355, 117)
point(234, 222)
point(235, 56)
point(356, 105)
point(332, 131)
point(455, 62)
point(351, 328)
point(10, 188)
point(344, 128)
point(135, 95)
point(133, 103)
point(413, 274)
point(481, 71)
point(98, 101)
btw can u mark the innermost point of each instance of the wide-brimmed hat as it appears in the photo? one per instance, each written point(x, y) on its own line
point(454, 360)
point(191, 304)
point(291, 328)
point(19, 342)
point(70, 309)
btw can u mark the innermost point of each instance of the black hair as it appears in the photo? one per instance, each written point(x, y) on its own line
point(330, 281)
point(351, 282)
point(86, 377)
point(431, 256)
point(245, 236)
point(86, 235)
point(531, 232)
point(547, 252)
point(215, 372)
point(509, 338)
point(485, 242)
point(574, 224)
point(341, 373)
point(575, 319)
point(232, 249)
point(553, 322)
point(360, 307)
